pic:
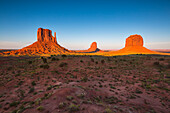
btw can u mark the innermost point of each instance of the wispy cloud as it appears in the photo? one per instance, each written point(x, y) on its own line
point(158, 45)
point(13, 45)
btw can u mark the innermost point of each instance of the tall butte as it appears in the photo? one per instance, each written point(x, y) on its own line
point(45, 44)
point(134, 45)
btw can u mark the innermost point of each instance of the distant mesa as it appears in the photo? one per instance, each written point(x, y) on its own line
point(134, 45)
point(45, 44)
point(93, 49)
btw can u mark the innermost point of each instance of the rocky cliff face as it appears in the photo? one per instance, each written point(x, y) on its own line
point(93, 47)
point(134, 40)
point(134, 45)
point(45, 44)
point(45, 35)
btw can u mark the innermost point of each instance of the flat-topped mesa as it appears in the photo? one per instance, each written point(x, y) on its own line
point(134, 40)
point(45, 35)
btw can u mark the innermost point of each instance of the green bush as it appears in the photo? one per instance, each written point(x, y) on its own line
point(29, 62)
point(15, 103)
point(62, 105)
point(31, 90)
point(62, 64)
point(102, 61)
point(156, 63)
point(73, 108)
point(40, 108)
point(92, 60)
point(64, 56)
point(44, 66)
point(44, 59)
point(70, 98)
point(138, 91)
point(33, 83)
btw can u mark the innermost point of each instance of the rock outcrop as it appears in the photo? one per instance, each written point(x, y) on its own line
point(134, 45)
point(45, 35)
point(93, 48)
point(134, 40)
point(45, 44)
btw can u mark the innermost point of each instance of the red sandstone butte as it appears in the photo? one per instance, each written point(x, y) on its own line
point(93, 48)
point(134, 45)
point(134, 40)
point(45, 44)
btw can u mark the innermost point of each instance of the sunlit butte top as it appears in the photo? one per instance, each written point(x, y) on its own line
point(134, 40)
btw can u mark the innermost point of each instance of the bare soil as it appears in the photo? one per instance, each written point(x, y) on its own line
point(85, 84)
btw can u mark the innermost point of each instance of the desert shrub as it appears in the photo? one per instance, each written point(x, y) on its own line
point(31, 90)
point(30, 62)
point(53, 55)
point(69, 98)
point(92, 60)
point(100, 86)
point(15, 103)
point(20, 83)
point(40, 108)
point(33, 83)
point(74, 101)
point(111, 100)
point(138, 91)
point(102, 61)
point(84, 79)
point(81, 61)
point(44, 59)
point(108, 110)
point(17, 75)
point(44, 66)
point(9, 68)
point(161, 59)
point(62, 64)
point(112, 87)
point(53, 59)
point(62, 105)
point(49, 87)
point(73, 107)
point(64, 56)
point(82, 95)
point(156, 63)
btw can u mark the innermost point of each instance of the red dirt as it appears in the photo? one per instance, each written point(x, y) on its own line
point(135, 83)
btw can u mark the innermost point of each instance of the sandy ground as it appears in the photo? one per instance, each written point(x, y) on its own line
point(85, 84)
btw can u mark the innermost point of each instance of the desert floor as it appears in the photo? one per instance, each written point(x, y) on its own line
point(85, 84)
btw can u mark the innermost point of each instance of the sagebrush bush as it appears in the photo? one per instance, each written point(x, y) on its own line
point(62, 64)
point(44, 66)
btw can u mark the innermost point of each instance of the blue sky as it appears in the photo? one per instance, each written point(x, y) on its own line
point(80, 22)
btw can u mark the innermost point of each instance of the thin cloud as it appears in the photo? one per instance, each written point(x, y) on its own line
point(13, 45)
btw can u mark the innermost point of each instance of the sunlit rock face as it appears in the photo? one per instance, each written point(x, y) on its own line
point(45, 35)
point(134, 40)
point(134, 45)
point(45, 44)
point(93, 47)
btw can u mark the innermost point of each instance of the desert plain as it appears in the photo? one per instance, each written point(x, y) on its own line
point(46, 77)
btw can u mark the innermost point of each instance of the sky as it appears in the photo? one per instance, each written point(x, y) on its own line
point(78, 23)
